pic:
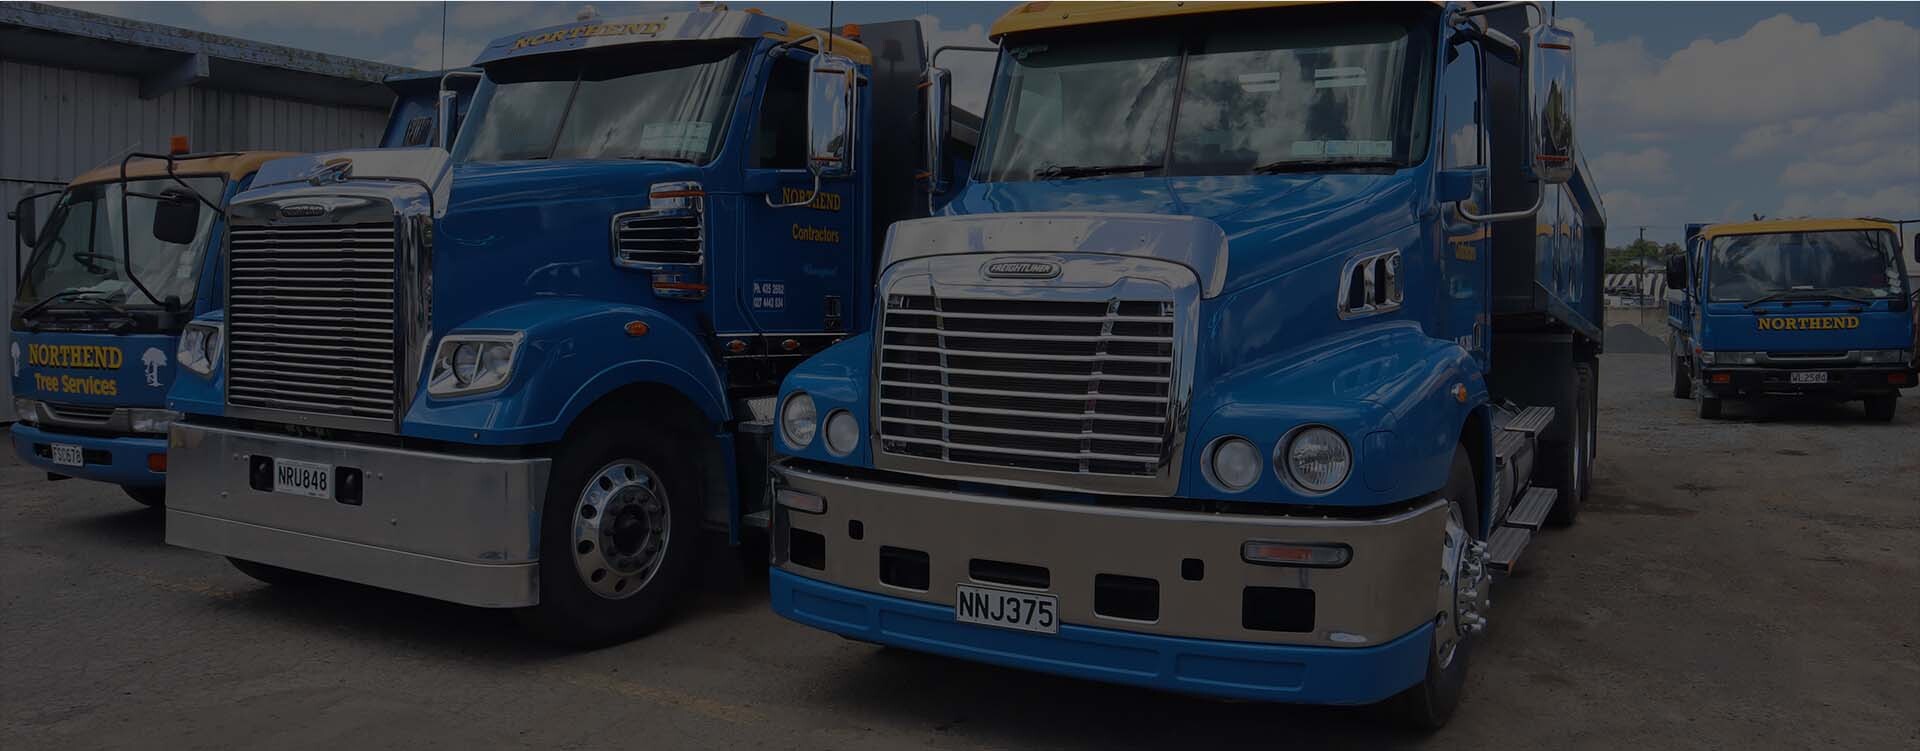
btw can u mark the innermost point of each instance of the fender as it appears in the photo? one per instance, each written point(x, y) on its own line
point(196, 394)
point(576, 351)
point(1388, 389)
point(836, 378)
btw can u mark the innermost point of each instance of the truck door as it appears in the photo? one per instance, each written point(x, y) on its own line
point(1465, 262)
point(798, 261)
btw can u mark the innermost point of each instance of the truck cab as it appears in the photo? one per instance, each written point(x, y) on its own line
point(96, 327)
point(1258, 339)
point(1818, 308)
point(535, 371)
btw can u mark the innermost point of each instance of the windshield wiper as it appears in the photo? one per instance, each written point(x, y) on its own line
point(1793, 295)
point(71, 294)
point(1320, 165)
point(1066, 171)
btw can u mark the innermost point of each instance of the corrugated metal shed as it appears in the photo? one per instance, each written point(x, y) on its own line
point(80, 89)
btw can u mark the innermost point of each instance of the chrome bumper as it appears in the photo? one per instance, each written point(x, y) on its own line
point(1387, 590)
point(455, 528)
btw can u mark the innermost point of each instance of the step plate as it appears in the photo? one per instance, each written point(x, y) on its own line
point(1503, 549)
point(1533, 508)
point(1506, 445)
point(1531, 421)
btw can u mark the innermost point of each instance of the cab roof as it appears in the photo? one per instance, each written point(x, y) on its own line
point(1060, 15)
point(718, 23)
point(232, 166)
point(1778, 226)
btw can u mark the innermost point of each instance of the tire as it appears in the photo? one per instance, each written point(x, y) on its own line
point(147, 496)
point(1572, 460)
point(1707, 407)
point(1682, 382)
point(1429, 704)
point(274, 575)
point(643, 549)
point(1880, 408)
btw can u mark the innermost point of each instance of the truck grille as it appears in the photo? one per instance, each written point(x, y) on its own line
point(1064, 386)
point(658, 238)
point(310, 319)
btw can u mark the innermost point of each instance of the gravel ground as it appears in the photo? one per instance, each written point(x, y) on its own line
point(1749, 583)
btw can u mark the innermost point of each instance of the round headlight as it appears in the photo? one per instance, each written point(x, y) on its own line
point(466, 362)
point(494, 358)
point(843, 433)
point(798, 421)
point(1233, 464)
point(211, 349)
point(1316, 459)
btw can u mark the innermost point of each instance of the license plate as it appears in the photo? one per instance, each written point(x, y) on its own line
point(69, 455)
point(303, 478)
point(1016, 610)
point(1810, 376)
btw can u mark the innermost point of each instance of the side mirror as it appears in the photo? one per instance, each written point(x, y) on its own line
point(176, 218)
point(1455, 185)
point(26, 225)
point(1550, 102)
point(939, 88)
point(1677, 272)
point(830, 116)
point(443, 119)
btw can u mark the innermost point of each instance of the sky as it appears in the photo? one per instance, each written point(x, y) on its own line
point(1685, 111)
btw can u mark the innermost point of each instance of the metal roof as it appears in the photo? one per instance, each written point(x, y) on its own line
point(1773, 226)
point(233, 166)
point(165, 58)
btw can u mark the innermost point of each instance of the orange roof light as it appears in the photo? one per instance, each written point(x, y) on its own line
point(177, 145)
point(850, 31)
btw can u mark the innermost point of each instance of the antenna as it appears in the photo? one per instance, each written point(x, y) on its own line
point(443, 34)
point(829, 49)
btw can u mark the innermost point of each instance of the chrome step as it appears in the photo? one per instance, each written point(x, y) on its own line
point(1503, 549)
point(1505, 445)
point(1533, 508)
point(1531, 421)
point(761, 519)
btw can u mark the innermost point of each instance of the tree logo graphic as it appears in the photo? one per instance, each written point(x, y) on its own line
point(154, 359)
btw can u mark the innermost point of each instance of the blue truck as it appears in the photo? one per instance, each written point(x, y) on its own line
point(1817, 308)
point(537, 371)
point(95, 348)
point(1257, 340)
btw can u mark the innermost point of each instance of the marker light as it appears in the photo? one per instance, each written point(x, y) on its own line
point(1233, 464)
point(798, 420)
point(1315, 459)
point(1309, 555)
point(177, 145)
point(843, 433)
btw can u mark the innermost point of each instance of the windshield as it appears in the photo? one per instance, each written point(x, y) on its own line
point(670, 103)
point(1253, 96)
point(1853, 263)
point(80, 250)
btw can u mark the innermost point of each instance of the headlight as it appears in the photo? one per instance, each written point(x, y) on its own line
point(1730, 358)
point(199, 347)
point(843, 433)
point(1315, 459)
point(152, 420)
point(1232, 464)
point(472, 363)
point(798, 422)
point(1896, 356)
point(27, 411)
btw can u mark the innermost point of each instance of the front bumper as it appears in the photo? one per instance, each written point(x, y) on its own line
point(1842, 382)
point(121, 460)
point(457, 528)
point(1215, 629)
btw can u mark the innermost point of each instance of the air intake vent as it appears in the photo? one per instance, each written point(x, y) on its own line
point(651, 239)
point(1370, 285)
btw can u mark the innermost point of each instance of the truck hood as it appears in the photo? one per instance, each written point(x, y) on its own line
point(1273, 223)
point(1805, 326)
point(107, 370)
point(521, 230)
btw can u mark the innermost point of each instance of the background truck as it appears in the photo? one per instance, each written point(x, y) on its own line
point(1796, 307)
point(94, 354)
point(528, 373)
point(1258, 340)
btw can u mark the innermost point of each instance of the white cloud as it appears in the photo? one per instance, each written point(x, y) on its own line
point(972, 71)
point(1893, 202)
point(1627, 209)
point(1876, 165)
point(1646, 166)
point(368, 18)
point(1899, 120)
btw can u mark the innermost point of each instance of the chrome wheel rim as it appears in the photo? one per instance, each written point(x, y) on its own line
point(1463, 588)
point(622, 524)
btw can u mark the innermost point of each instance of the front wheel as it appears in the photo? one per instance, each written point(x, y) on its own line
point(1708, 407)
point(1682, 382)
point(1880, 408)
point(619, 537)
point(1460, 608)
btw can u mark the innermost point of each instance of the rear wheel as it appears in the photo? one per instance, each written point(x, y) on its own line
point(1682, 382)
point(147, 496)
point(619, 536)
point(1572, 457)
point(1880, 408)
point(1460, 607)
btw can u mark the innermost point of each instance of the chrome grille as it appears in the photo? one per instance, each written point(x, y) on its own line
point(1065, 386)
point(80, 411)
point(658, 238)
point(310, 319)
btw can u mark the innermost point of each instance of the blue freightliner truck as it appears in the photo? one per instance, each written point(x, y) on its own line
point(533, 372)
point(1258, 339)
point(1817, 308)
point(93, 353)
